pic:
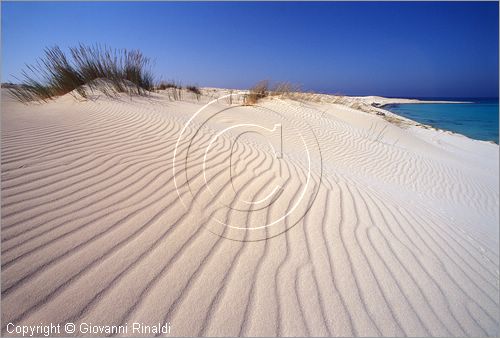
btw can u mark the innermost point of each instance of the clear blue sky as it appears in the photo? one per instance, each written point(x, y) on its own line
point(393, 49)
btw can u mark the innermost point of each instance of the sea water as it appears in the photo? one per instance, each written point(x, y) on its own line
point(477, 120)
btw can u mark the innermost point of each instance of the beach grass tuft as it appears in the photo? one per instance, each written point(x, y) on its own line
point(57, 73)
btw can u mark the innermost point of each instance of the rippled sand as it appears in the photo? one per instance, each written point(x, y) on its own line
point(400, 237)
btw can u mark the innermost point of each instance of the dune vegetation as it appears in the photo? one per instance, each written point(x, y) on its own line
point(87, 68)
point(58, 73)
point(263, 89)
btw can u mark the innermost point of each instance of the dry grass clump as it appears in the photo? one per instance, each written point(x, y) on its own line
point(57, 74)
point(173, 89)
point(163, 85)
point(394, 120)
point(281, 89)
point(174, 93)
point(257, 92)
point(286, 89)
point(195, 90)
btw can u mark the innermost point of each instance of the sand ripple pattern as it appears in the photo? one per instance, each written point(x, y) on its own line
point(400, 239)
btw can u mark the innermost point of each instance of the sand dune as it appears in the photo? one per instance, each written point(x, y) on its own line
point(400, 237)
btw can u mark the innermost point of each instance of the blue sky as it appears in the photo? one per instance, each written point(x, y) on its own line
point(393, 49)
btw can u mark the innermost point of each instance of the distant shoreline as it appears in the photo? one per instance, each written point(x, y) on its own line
point(427, 102)
point(418, 101)
point(380, 102)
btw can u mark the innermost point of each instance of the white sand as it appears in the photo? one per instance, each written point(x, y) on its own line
point(402, 238)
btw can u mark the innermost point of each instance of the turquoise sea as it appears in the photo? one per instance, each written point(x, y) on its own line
point(477, 120)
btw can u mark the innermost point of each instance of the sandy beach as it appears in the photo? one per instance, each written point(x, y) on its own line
point(396, 232)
